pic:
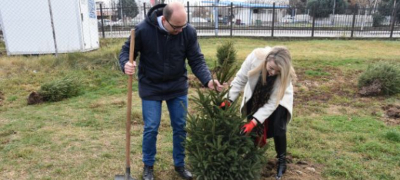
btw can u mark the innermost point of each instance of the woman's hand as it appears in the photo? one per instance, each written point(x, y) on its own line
point(247, 128)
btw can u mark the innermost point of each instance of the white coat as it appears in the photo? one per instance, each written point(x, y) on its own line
point(242, 79)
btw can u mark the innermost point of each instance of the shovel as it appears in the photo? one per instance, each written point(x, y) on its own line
point(127, 175)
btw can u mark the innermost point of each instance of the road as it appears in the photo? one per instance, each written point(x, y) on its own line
point(278, 33)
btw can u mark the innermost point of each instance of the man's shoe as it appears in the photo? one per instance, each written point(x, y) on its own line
point(148, 173)
point(184, 173)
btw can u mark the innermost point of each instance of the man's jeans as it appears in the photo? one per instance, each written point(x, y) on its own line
point(152, 116)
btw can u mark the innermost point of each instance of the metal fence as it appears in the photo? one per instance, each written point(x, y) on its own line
point(260, 20)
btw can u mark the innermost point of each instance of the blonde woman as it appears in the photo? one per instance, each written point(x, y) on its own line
point(266, 77)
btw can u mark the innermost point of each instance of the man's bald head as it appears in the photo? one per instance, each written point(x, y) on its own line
point(174, 9)
point(175, 18)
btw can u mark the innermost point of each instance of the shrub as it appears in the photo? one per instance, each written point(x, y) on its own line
point(388, 76)
point(226, 54)
point(60, 89)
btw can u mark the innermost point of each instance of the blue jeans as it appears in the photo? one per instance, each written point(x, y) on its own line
point(152, 116)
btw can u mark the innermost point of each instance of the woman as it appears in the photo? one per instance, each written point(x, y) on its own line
point(266, 76)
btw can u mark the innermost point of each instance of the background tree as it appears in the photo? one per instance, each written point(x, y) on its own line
point(127, 8)
point(323, 8)
point(297, 7)
point(385, 8)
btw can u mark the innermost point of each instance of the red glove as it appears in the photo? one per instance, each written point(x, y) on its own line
point(225, 104)
point(246, 129)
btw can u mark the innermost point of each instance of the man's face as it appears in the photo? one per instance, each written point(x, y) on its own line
point(176, 23)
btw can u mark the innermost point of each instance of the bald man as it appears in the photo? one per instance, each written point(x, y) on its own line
point(164, 41)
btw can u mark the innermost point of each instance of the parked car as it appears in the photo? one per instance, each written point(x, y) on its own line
point(107, 22)
point(136, 20)
point(119, 23)
point(288, 19)
point(198, 20)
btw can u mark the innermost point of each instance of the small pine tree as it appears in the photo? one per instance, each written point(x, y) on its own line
point(215, 148)
point(226, 53)
point(60, 89)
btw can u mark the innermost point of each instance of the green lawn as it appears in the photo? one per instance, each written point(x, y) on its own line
point(83, 137)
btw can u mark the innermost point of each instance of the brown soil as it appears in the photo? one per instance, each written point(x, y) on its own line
point(193, 81)
point(2, 98)
point(34, 98)
point(296, 170)
point(392, 114)
point(314, 88)
point(373, 89)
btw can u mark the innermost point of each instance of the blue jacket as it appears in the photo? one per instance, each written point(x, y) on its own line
point(162, 62)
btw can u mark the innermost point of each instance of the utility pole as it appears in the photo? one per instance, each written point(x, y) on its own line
point(216, 16)
point(120, 5)
point(375, 6)
point(333, 10)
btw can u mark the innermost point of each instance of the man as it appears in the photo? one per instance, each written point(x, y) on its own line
point(164, 40)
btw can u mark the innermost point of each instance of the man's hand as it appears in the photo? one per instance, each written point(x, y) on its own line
point(225, 104)
point(247, 128)
point(217, 86)
point(130, 68)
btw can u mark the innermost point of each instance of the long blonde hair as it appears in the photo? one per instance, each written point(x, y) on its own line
point(282, 58)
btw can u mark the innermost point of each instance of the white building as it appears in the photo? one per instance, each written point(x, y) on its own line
point(40, 27)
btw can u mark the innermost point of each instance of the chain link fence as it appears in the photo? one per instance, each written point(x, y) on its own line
point(262, 20)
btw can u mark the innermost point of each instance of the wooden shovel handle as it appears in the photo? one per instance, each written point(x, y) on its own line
point(128, 112)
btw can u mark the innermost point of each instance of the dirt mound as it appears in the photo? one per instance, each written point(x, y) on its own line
point(193, 81)
point(392, 113)
point(1, 98)
point(373, 89)
point(34, 98)
point(296, 170)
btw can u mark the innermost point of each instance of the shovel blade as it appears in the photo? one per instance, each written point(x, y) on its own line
point(123, 177)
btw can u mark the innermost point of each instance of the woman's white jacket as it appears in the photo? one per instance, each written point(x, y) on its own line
point(242, 79)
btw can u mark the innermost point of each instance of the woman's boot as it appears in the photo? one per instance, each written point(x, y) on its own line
point(280, 147)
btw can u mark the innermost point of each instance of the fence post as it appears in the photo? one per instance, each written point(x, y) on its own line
point(53, 29)
point(313, 23)
point(273, 20)
point(102, 20)
point(188, 12)
point(354, 20)
point(144, 10)
point(231, 18)
point(393, 21)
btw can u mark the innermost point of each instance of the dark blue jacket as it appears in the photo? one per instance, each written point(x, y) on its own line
point(162, 62)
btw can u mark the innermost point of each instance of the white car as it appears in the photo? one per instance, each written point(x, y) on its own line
point(107, 22)
point(198, 20)
point(288, 19)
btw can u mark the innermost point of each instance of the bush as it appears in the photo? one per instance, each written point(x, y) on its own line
point(60, 89)
point(226, 54)
point(388, 76)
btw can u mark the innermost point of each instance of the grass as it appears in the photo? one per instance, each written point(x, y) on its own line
point(83, 137)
